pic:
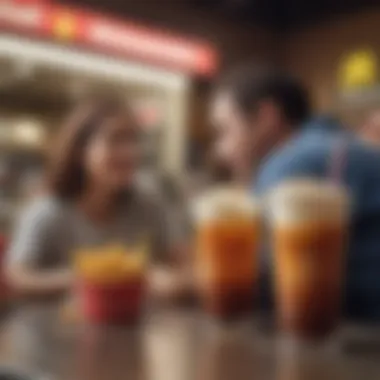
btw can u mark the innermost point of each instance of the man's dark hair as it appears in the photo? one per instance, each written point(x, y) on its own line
point(249, 85)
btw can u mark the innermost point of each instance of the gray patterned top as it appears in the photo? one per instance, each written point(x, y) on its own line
point(51, 230)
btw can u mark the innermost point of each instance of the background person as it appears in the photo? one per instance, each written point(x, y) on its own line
point(264, 130)
point(92, 199)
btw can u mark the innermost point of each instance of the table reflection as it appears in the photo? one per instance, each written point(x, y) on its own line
point(169, 345)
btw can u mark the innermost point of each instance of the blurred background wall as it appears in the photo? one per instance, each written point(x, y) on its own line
point(236, 40)
point(318, 53)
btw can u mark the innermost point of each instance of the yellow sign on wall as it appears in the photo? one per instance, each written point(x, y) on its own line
point(358, 70)
point(64, 26)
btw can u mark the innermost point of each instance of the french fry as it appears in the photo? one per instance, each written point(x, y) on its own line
point(111, 264)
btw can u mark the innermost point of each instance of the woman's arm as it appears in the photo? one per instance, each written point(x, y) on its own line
point(172, 278)
point(26, 282)
point(35, 259)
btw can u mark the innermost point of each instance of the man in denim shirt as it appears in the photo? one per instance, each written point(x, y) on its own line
point(264, 127)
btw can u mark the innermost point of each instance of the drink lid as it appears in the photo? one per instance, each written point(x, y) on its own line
point(303, 199)
point(225, 202)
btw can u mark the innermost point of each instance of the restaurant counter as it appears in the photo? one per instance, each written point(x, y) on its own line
point(169, 345)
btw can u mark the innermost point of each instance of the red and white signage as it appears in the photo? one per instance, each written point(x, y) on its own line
point(72, 26)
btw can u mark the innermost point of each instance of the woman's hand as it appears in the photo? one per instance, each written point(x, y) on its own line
point(168, 284)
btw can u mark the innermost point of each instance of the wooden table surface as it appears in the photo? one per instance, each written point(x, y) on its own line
point(170, 345)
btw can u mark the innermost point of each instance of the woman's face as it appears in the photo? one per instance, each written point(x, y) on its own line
point(113, 153)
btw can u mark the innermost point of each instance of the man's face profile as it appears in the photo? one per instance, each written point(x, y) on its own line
point(232, 144)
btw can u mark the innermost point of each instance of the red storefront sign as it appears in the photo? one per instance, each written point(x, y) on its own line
point(73, 26)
